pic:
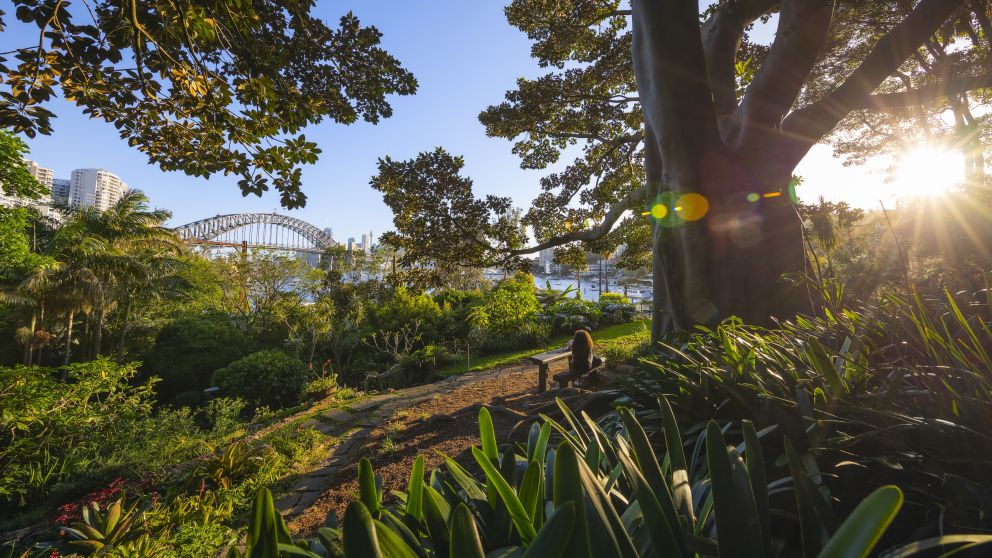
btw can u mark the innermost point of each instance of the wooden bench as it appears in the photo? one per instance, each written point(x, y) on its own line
point(543, 360)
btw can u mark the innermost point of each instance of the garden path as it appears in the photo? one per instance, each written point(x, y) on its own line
point(391, 429)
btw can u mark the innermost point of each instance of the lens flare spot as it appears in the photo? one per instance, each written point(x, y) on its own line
point(773, 194)
point(658, 211)
point(753, 197)
point(692, 207)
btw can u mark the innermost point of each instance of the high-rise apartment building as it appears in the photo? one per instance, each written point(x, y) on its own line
point(60, 191)
point(41, 174)
point(97, 188)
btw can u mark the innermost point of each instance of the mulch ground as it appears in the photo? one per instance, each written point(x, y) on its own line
point(446, 424)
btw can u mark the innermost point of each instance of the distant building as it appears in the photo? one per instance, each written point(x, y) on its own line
point(329, 232)
point(60, 191)
point(97, 188)
point(351, 244)
point(546, 260)
point(41, 174)
point(367, 242)
point(44, 177)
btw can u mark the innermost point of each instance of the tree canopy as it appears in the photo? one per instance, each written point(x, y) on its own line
point(672, 120)
point(218, 87)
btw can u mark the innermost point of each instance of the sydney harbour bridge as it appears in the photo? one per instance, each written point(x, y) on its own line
point(270, 231)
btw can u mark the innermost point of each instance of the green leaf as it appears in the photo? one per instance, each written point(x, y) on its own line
point(359, 532)
point(813, 531)
point(367, 490)
point(552, 540)
point(487, 434)
point(821, 363)
point(471, 487)
point(465, 541)
point(662, 533)
point(919, 547)
point(755, 461)
point(521, 520)
point(415, 490)
point(568, 490)
point(530, 487)
point(574, 423)
point(681, 490)
point(649, 467)
point(732, 502)
point(857, 536)
point(537, 441)
point(263, 538)
point(294, 550)
point(391, 543)
point(436, 515)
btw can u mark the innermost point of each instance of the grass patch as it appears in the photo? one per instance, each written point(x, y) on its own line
point(624, 334)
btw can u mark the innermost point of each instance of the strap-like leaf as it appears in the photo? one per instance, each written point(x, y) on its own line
point(367, 490)
point(358, 532)
point(755, 461)
point(415, 490)
point(436, 515)
point(263, 538)
point(857, 536)
point(521, 520)
point(465, 541)
point(732, 501)
point(813, 531)
point(487, 434)
point(552, 540)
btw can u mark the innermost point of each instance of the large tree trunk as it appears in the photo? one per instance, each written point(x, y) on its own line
point(730, 261)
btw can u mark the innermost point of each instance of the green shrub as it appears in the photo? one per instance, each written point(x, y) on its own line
point(897, 390)
point(571, 314)
point(602, 491)
point(52, 428)
point(612, 298)
point(188, 350)
point(627, 348)
point(508, 317)
point(270, 378)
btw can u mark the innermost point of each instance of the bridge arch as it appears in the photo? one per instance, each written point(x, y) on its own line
point(216, 227)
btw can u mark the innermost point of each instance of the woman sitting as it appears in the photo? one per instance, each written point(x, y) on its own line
point(581, 360)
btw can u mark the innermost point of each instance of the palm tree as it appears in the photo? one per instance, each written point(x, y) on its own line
point(128, 231)
point(148, 275)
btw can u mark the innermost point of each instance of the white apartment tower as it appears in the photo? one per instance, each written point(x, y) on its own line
point(97, 188)
point(41, 174)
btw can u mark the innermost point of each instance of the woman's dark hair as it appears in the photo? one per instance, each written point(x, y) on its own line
point(582, 347)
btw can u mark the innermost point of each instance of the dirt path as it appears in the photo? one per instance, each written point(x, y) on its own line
point(392, 429)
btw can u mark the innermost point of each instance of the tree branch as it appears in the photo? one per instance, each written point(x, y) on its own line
point(806, 126)
point(595, 233)
point(722, 34)
point(924, 94)
point(801, 34)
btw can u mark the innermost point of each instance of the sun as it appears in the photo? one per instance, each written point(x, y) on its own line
point(928, 171)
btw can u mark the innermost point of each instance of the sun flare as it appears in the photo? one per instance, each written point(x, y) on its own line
point(928, 171)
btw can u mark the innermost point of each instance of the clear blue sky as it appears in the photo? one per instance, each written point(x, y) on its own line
point(464, 55)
